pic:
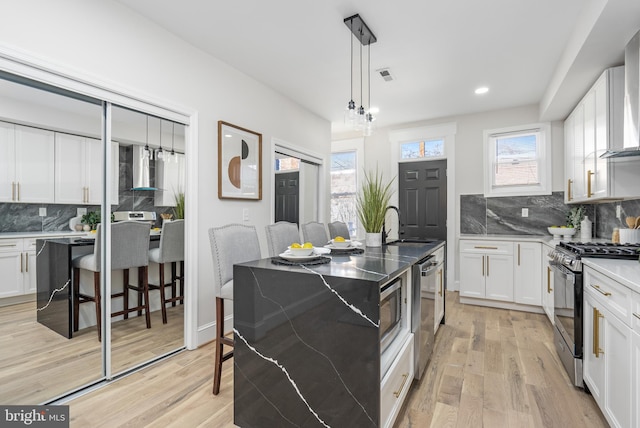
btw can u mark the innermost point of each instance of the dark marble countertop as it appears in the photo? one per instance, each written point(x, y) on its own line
point(376, 264)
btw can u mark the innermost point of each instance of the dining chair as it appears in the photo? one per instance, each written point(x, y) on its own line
point(338, 228)
point(230, 244)
point(170, 250)
point(280, 235)
point(315, 233)
point(129, 249)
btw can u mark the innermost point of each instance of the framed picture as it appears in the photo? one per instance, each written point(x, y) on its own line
point(239, 163)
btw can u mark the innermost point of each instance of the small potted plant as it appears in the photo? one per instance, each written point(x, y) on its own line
point(178, 211)
point(91, 219)
point(371, 204)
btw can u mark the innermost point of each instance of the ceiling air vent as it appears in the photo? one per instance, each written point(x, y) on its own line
point(385, 74)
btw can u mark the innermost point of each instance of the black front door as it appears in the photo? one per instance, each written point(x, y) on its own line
point(287, 196)
point(423, 199)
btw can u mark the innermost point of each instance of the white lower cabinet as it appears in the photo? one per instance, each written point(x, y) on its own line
point(527, 273)
point(486, 270)
point(17, 268)
point(635, 361)
point(608, 347)
point(395, 384)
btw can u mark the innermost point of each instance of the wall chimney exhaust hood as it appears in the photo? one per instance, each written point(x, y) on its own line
point(141, 170)
point(631, 142)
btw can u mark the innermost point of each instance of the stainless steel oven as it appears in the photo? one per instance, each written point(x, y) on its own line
point(390, 312)
point(567, 308)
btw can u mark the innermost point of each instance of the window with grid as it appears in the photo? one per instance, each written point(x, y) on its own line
point(344, 186)
point(518, 161)
point(422, 149)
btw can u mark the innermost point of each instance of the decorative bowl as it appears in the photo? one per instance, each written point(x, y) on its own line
point(301, 251)
point(557, 232)
point(341, 244)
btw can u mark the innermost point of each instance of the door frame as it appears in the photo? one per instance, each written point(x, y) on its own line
point(293, 150)
point(54, 74)
point(446, 131)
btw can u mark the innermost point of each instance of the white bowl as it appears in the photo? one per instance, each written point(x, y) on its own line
point(339, 244)
point(301, 251)
point(557, 232)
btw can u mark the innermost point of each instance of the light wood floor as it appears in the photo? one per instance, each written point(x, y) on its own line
point(37, 364)
point(491, 368)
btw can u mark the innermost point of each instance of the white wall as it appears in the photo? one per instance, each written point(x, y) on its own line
point(106, 43)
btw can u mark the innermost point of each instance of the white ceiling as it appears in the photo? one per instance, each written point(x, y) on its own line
point(525, 51)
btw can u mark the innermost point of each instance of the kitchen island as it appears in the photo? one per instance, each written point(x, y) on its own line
point(307, 340)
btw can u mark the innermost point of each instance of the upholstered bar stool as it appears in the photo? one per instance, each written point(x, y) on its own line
point(338, 228)
point(171, 250)
point(280, 235)
point(315, 233)
point(230, 244)
point(129, 249)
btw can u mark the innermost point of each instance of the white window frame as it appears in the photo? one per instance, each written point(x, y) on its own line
point(350, 145)
point(543, 147)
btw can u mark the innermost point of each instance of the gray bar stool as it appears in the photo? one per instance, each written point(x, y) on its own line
point(171, 250)
point(338, 228)
point(280, 235)
point(129, 249)
point(230, 244)
point(315, 233)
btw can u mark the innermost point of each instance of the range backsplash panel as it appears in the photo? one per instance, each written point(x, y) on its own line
point(25, 217)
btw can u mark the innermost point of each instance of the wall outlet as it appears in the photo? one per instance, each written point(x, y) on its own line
point(43, 212)
point(245, 215)
point(618, 211)
point(525, 212)
point(81, 211)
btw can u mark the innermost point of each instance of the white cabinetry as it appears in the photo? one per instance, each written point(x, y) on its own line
point(486, 270)
point(17, 267)
point(635, 361)
point(26, 164)
point(607, 346)
point(170, 179)
point(547, 283)
point(595, 125)
point(395, 384)
point(527, 273)
point(78, 170)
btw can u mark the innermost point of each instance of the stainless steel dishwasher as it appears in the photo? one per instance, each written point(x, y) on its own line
point(423, 314)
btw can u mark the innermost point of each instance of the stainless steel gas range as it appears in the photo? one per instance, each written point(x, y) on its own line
point(566, 262)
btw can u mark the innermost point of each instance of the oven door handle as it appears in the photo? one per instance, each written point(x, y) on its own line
point(563, 271)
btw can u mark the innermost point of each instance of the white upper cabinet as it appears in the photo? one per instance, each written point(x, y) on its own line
point(26, 164)
point(78, 172)
point(170, 179)
point(595, 125)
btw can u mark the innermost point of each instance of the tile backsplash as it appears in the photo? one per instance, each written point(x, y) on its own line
point(25, 217)
point(503, 216)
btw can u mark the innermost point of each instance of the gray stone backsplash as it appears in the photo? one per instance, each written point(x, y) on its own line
point(503, 216)
point(16, 217)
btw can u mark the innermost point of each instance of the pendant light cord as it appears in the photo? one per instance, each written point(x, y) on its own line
point(351, 45)
point(369, 74)
point(361, 101)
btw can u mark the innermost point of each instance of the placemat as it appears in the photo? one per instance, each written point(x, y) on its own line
point(321, 260)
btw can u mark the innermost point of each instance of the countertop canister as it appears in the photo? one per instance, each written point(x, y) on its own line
point(585, 229)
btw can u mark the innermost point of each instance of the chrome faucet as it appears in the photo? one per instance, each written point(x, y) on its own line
point(384, 224)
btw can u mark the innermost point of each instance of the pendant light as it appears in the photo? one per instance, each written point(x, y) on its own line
point(350, 115)
point(174, 158)
point(160, 153)
point(146, 153)
point(368, 126)
point(360, 119)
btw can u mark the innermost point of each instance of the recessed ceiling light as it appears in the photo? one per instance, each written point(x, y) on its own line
point(482, 90)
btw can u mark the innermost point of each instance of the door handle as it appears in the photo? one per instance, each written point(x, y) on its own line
point(482, 265)
point(21, 265)
point(13, 191)
point(589, 175)
point(18, 185)
point(518, 254)
point(26, 260)
point(487, 265)
point(596, 332)
point(597, 288)
point(549, 289)
point(569, 196)
point(440, 275)
point(483, 247)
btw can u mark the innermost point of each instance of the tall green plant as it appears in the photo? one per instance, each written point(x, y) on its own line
point(373, 200)
point(178, 211)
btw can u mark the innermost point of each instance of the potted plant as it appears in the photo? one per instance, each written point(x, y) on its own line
point(178, 211)
point(575, 216)
point(371, 204)
point(92, 219)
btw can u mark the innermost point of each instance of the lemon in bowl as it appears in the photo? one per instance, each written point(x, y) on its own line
point(298, 249)
point(340, 242)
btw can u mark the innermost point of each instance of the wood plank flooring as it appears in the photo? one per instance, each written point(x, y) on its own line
point(37, 364)
point(491, 368)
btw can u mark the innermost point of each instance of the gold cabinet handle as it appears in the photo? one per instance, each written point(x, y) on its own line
point(26, 260)
point(482, 247)
point(404, 380)
point(13, 191)
point(483, 265)
point(569, 196)
point(21, 266)
point(18, 190)
point(589, 175)
point(549, 289)
point(596, 333)
point(440, 277)
point(8, 245)
point(518, 254)
point(597, 288)
point(487, 265)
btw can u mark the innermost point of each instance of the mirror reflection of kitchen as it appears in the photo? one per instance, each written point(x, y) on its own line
point(51, 158)
point(296, 189)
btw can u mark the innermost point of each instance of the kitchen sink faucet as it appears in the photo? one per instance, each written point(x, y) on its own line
point(384, 224)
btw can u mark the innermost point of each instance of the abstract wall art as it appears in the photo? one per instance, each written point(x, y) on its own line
point(239, 162)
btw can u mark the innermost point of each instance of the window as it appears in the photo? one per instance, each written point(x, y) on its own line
point(344, 186)
point(518, 161)
point(422, 149)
